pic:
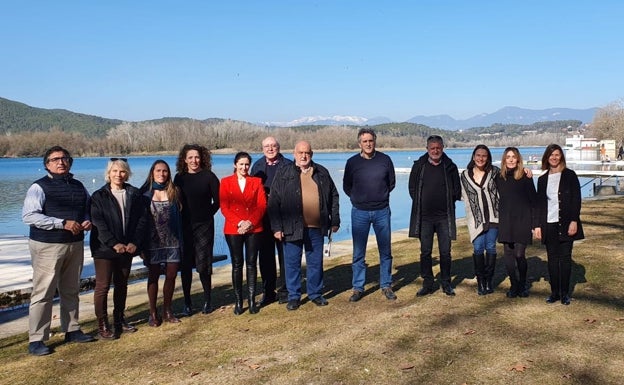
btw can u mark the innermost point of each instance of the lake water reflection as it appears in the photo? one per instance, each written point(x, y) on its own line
point(18, 174)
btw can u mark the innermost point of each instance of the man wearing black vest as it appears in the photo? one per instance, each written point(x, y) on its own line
point(56, 209)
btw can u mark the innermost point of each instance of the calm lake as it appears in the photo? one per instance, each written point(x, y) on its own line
point(18, 174)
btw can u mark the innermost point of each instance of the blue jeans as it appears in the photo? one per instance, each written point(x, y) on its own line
point(486, 242)
point(313, 244)
point(361, 221)
point(427, 229)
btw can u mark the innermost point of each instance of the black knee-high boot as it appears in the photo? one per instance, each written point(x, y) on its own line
point(523, 289)
point(490, 267)
point(510, 266)
point(251, 286)
point(237, 282)
point(206, 281)
point(186, 276)
point(479, 269)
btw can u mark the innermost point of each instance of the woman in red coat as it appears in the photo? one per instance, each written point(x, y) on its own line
point(243, 204)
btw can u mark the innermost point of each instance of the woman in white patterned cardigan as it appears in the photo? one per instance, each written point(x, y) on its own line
point(480, 197)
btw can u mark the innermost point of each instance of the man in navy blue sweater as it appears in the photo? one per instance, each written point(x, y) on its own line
point(368, 180)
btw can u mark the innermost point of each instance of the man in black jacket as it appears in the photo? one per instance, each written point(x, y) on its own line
point(433, 211)
point(303, 208)
point(266, 168)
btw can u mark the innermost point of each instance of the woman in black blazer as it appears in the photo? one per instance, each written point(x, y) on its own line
point(559, 206)
point(116, 237)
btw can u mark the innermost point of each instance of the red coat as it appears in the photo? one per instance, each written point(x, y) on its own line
point(239, 206)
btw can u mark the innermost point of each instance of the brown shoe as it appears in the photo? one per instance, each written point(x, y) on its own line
point(104, 331)
point(169, 317)
point(153, 320)
point(356, 296)
point(387, 291)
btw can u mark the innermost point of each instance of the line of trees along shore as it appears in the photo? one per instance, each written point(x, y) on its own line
point(27, 131)
point(169, 135)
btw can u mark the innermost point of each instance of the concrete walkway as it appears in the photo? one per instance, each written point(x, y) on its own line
point(16, 269)
point(16, 274)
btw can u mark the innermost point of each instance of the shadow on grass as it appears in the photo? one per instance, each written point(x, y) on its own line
point(337, 280)
point(607, 223)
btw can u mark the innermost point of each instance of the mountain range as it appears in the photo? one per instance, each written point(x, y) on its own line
point(506, 115)
point(16, 116)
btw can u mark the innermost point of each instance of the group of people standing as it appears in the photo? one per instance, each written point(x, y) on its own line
point(503, 205)
point(284, 207)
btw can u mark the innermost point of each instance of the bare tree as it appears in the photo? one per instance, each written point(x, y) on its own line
point(609, 122)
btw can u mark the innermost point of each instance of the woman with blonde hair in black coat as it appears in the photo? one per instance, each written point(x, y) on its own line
point(517, 219)
point(116, 237)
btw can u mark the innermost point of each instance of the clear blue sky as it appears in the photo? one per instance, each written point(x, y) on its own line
point(266, 60)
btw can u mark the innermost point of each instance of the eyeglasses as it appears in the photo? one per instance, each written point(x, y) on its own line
point(64, 159)
point(121, 159)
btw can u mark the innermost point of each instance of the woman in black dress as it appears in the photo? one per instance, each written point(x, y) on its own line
point(517, 219)
point(199, 193)
point(163, 245)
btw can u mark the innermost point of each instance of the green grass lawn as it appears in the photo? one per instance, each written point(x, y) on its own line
point(465, 339)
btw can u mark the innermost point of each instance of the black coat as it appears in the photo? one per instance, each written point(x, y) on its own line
point(517, 209)
point(107, 228)
point(569, 204)
point(285, 206)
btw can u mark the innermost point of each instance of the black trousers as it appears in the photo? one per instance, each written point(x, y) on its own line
point(266, 260)
point(243, 249)
point(559, 260)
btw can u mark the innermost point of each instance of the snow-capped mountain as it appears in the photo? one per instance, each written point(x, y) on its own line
point(506, 115)
point(321, 121)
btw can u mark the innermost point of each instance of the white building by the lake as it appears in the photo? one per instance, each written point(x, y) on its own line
point(578, 147)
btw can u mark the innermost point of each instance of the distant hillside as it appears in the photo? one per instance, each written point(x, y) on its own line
point(34, 129)
point(17, 117)
point(179, 120)
point(507, 115)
